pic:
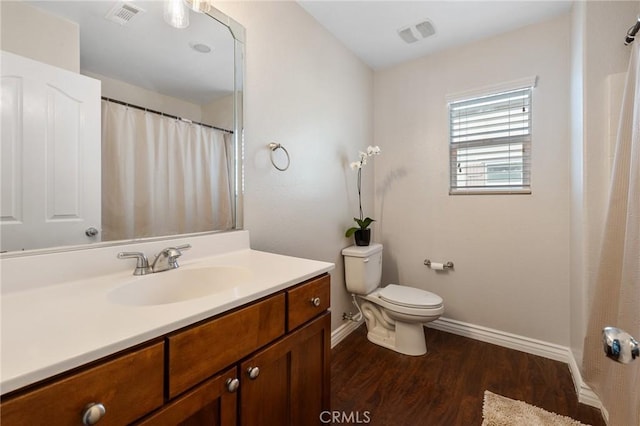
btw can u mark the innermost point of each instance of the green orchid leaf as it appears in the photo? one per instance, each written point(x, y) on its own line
point(350, 231)
point(362, 224)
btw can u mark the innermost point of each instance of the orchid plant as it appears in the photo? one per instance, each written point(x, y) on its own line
point(363, 222)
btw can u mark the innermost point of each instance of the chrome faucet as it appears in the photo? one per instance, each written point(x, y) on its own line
point(165, 260)
point(142, 266)
point(168, 258)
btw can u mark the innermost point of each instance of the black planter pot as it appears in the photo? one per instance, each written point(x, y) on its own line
point(362, 237)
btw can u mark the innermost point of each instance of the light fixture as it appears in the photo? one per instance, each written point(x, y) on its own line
point(200, 47)
point(199, 6)
point(176, 14)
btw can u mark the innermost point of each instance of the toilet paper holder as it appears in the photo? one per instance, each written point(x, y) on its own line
point(448, 265)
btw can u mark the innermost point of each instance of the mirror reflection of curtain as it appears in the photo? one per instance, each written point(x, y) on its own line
point(162, 176)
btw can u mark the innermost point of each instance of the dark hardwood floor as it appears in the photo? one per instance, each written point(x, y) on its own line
point(446, 386)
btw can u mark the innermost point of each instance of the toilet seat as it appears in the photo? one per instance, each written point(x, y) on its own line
point(424, 312)
point(410, 297)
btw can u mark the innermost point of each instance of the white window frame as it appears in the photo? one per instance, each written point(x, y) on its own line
point(474, 150)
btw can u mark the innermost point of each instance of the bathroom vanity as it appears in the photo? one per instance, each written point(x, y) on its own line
point(232, 336)
point(254, 353)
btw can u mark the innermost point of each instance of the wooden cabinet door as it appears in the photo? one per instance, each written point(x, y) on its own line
point(291, 385)
point(310, 372)
point(212, 403)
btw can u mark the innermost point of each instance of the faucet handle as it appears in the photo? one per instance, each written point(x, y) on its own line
point(172, 253)
point(142, 265)
point(168, 258)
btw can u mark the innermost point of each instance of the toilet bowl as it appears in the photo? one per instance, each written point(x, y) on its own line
point(395, 314)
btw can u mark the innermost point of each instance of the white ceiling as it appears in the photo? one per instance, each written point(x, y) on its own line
point(148, 53)
point(369, 28)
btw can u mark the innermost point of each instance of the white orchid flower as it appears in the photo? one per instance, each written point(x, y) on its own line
point(373, 150)
point(363, 223)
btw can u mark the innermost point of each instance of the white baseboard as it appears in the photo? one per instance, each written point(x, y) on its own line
point(507, 340)
point(584, 392)
point(343, 331)
point(501, 338)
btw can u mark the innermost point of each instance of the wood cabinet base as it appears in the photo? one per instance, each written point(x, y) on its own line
point(265, 363)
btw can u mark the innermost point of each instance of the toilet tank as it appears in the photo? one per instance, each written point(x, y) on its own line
point(362, 268)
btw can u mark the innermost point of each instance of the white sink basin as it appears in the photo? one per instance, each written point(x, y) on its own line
point(179, 285)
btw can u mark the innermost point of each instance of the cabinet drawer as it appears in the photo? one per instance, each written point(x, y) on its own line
point(128, 386)
point(308, 300)
point(198, 353)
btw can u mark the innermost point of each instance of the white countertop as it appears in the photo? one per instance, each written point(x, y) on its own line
point(50, 329)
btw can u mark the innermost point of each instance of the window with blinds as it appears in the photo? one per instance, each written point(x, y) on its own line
point(490, 143)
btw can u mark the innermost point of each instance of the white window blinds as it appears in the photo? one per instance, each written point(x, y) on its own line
point(490, 143)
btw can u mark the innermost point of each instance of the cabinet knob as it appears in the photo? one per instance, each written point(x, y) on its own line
point(253, 372)
point(315, 301)
point(92, 413)
point(232, 384)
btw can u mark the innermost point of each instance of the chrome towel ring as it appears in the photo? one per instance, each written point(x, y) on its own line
point(275, 146)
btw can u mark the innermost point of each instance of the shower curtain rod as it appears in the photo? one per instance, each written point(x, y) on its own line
point(104, 98)
point(631, 33)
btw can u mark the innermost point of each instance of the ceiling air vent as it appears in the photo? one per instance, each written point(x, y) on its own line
point(416, 32)
point(123, 13)
point(407, 35)
point(425, 29)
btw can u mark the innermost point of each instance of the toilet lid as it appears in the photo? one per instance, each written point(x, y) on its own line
point(410, 297)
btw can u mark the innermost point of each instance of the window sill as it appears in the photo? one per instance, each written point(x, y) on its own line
point(486, 191)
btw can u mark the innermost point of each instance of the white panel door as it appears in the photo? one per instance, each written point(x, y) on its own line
point(50, 156)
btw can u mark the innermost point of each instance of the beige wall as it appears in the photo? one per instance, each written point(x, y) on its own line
point(309, 93)
point(21, 30)
point(125, 92)
point(511, 252)
point(219, 113)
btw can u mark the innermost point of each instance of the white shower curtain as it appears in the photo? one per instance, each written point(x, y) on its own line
point(616, 299)
point(162, 176)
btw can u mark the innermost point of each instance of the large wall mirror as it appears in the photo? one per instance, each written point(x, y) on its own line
point(121, 121)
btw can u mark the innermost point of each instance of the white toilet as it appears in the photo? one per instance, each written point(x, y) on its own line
point(394, 314)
